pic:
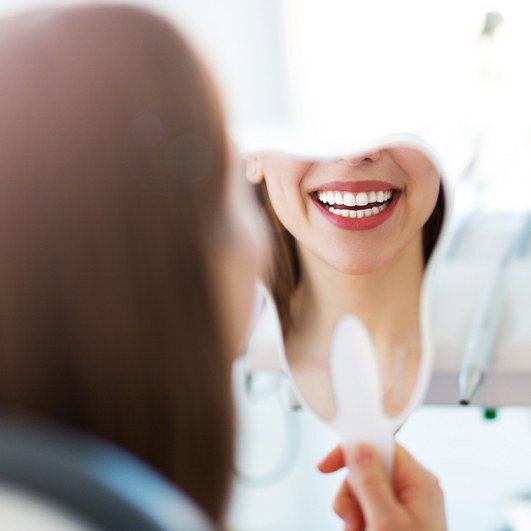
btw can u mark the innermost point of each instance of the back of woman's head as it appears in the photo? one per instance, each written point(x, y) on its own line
point(113, 160)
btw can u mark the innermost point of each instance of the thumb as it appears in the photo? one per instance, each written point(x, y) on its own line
point(370, 484)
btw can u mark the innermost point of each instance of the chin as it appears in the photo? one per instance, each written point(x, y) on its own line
point(357, 265)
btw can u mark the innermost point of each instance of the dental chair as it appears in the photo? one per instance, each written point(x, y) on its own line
point(53, 479)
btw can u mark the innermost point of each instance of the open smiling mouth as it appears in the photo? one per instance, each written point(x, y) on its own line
point(357, 210)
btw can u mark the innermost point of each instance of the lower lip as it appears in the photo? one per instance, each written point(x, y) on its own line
point(365, 223)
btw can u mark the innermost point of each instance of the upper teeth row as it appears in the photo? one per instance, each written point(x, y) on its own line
point(352, 199)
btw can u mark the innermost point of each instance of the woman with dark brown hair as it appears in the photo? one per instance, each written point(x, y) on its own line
point(115, 219)
point(126, 269)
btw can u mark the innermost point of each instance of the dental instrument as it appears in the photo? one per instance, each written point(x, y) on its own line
point(486, 323)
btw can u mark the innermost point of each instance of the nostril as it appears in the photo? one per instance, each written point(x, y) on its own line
point(367, 158)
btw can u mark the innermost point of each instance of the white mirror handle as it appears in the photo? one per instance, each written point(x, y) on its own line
point(360, 416)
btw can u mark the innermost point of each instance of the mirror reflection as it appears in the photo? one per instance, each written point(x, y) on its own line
point(351, 235)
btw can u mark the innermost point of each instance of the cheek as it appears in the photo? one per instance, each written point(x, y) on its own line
point(236, 297)
point(245, 261)
point(281, 194)
point(422, 199)
point(288, 205)
point(235, 260)
point(283, 179)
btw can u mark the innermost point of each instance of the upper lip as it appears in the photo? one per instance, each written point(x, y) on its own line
point(354, 186)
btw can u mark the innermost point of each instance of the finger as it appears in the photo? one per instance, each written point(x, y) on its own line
point(347, 507)
point(410, 478)
point(370, 484)
point(335, 460)
point(407, 471)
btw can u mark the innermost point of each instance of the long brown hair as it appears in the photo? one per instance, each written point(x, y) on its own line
point(113, 158)
point(284, 274)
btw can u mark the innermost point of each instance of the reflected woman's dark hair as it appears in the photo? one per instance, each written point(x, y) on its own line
point(113, 157)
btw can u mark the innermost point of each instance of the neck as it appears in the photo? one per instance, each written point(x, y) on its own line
point(387, 299)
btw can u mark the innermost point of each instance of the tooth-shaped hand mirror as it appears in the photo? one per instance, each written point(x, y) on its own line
point(354, 236)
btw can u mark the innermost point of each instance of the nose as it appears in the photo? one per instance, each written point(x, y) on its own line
point(373, 156)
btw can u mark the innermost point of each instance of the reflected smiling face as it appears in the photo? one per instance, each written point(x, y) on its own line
point(355, 214)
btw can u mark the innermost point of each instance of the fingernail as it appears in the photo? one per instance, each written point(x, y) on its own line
point(363, 455)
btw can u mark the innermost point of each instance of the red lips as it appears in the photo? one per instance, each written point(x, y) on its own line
point(365, 223)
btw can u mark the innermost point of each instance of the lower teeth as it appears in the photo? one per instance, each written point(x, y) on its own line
point(365, 213)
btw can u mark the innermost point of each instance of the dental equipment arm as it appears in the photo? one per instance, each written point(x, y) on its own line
point(487, 320)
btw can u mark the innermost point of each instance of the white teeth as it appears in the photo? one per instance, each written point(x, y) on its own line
point(349, 199)
point(362, 199)
point(362, 213)
point(354, 199)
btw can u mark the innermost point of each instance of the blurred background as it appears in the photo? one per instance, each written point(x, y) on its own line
point(457, 71)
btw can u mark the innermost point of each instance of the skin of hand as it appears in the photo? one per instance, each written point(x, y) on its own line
point(368, 500)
